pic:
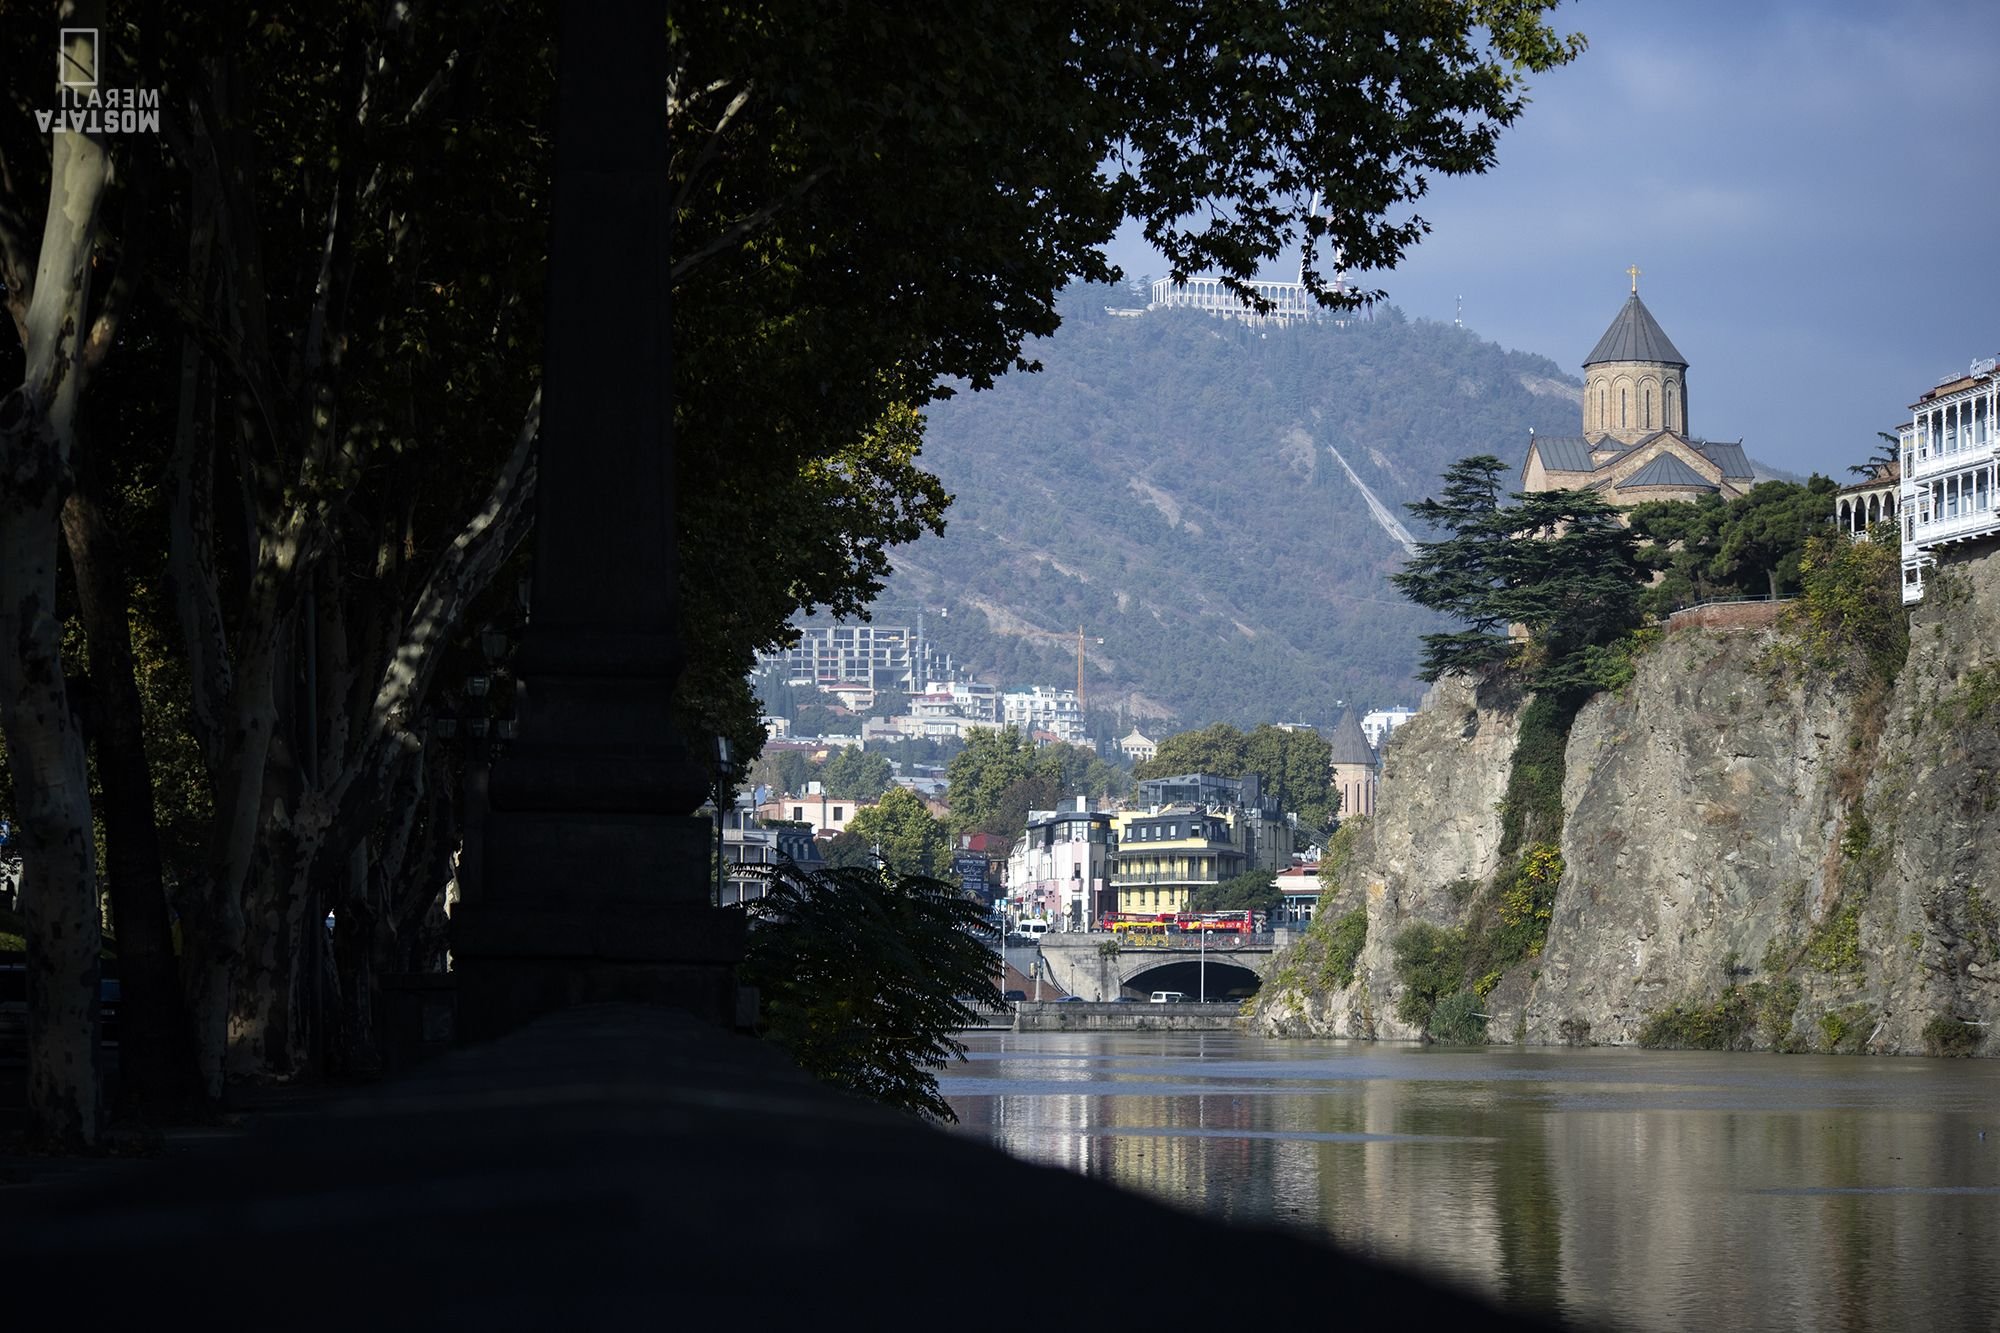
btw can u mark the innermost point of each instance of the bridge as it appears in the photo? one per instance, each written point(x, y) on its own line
point(1098, 965)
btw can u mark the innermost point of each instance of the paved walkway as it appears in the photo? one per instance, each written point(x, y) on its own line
point(625, 1167)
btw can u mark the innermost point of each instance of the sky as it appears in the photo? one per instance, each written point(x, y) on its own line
point(1808, 190)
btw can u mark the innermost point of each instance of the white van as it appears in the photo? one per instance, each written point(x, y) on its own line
point(1169, 997)
point(1034, 930)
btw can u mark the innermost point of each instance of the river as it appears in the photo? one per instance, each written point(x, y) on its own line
point(1632, 1189)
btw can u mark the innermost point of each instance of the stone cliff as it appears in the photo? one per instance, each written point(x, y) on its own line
point(1750, 856)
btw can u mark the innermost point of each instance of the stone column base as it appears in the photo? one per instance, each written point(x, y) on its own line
point(516, 963)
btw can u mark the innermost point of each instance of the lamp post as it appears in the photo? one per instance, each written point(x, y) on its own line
point(721, 781)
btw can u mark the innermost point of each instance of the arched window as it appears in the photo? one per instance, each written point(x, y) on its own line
point(1649, 407)
point(1603, 407)
point(1624, 408)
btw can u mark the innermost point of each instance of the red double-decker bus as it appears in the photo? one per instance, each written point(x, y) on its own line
point(1153, 923)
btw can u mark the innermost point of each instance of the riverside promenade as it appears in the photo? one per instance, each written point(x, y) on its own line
point(625, 1166)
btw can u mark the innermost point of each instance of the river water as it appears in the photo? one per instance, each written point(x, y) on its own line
point(1632, 1189)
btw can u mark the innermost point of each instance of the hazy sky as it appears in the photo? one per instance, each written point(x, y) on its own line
point(1812, 191)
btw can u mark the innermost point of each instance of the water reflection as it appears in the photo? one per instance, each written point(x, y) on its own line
point(1646, 1190)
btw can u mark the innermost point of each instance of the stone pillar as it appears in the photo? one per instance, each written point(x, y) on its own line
point(595, 882)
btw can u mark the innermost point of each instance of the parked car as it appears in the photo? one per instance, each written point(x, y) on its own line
point(1015, 995)
point(1071, 999)
point(1169, 997)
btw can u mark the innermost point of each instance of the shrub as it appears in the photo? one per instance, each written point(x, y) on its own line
point(1457, 1020)
point(1858, 836)
point(1343, 948)
point(1430, 961)
point(1836, 945)
point(1339, 853)
point(866, 977)
point(1725, 1024)
point(1775, 1006)
point(1532, 807)
point(1526, 902)
point(1848, 622)
point(1837, 1026)
point(1951, 1037)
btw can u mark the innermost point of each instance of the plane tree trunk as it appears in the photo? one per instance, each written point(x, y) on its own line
point(45, 749)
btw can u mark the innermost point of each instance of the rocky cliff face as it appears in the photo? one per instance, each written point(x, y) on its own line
point(1747, 859)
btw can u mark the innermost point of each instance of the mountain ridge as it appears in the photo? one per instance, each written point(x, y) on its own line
point(1166, 483)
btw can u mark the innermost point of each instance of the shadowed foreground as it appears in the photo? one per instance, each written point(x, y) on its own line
point(620, 1165)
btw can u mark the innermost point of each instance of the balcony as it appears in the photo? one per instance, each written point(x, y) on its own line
point(1950, 459)
point(1958, 528)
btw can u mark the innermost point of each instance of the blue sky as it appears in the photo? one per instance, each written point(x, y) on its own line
point(1812, 191)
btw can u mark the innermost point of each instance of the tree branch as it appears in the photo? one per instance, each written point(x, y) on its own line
point(743, 227)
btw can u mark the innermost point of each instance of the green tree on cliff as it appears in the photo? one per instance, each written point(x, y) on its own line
point(1561, 564)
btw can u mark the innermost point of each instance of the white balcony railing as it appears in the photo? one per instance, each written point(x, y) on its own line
point(1921, 465)
point(1957, 528)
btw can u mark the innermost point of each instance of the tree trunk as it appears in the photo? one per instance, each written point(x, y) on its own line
point(214, 958)
point(44, 748)
point(156, 1048)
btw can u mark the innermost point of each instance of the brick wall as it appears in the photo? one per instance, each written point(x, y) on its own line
point(1727, 615)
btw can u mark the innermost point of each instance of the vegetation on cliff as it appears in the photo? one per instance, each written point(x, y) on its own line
point(1751, 546)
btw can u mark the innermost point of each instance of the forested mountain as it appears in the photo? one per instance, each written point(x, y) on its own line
point(1165, 482)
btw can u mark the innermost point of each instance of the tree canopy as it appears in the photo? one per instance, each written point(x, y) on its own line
point(854, 772)
point(1749, 546)
point(1295, 766)
point(911, 840)
point(1561, 564)
point(952, 209)
point(321, 289)
point(1256, 890)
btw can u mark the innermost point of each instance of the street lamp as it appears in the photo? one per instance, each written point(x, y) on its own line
point(721, 781)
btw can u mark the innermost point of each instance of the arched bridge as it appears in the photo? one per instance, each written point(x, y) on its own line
point(1097, 965)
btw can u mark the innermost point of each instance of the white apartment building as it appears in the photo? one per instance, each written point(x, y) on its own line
point(1060, 869)
point(1377, 725)
point(1949, 484)
point(882, 656)
point(1057, 712)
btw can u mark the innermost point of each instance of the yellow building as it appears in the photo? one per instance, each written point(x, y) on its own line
point(1166, 853)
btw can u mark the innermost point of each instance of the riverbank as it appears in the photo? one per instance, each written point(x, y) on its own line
point(1088, 1016)
point(619, 1166)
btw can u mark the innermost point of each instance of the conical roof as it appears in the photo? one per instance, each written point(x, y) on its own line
point(1635, 336)
point(1350, 743)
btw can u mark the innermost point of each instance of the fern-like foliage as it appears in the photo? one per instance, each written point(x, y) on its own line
point(867, 977)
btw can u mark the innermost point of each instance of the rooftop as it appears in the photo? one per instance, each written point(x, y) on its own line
point(1635, 336)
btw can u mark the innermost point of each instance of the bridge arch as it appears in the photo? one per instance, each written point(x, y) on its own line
point(1226, 980)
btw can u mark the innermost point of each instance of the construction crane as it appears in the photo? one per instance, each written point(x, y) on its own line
point(1079, 664)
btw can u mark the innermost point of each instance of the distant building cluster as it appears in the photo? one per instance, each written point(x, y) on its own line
point(852, 664)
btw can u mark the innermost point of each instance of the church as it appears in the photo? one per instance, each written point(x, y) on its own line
point(1635, 444)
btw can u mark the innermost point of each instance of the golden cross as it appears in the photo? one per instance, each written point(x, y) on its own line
point(1634, 271)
